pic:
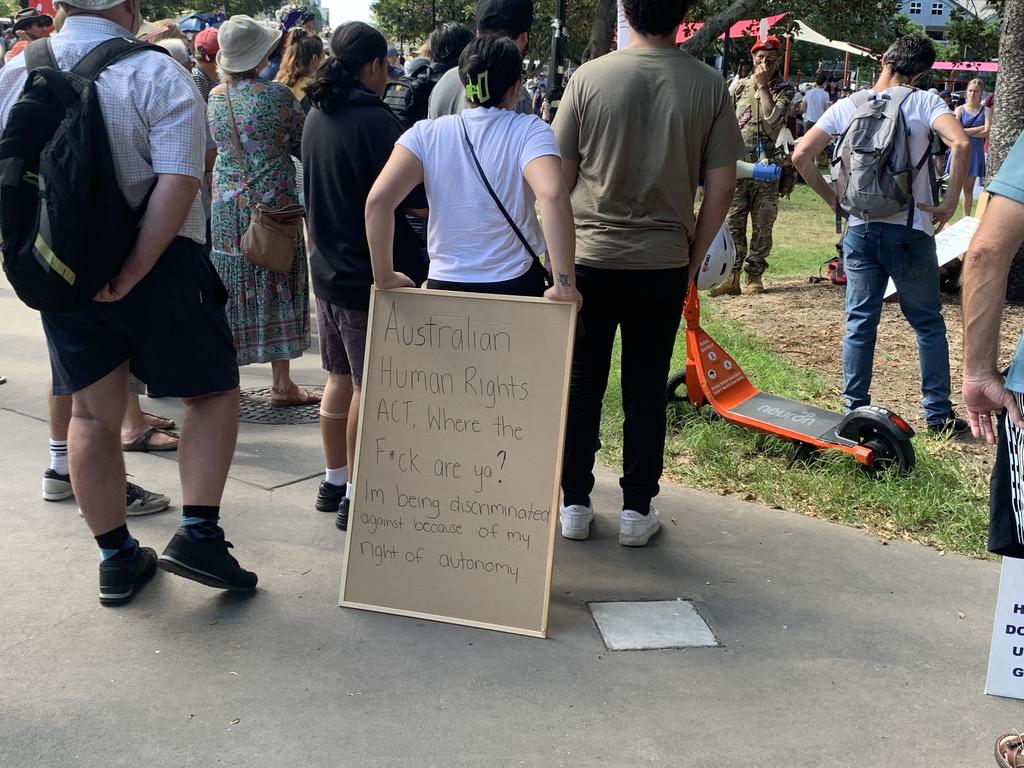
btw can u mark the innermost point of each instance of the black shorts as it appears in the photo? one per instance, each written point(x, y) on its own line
point(171, 328)
point(1006, 491)
point(342, 339)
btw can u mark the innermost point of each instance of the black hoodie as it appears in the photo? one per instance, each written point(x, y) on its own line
point(342, 155)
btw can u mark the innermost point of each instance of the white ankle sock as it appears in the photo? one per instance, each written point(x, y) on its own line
point(348, 490)
point(337, 476)
point(59, 456)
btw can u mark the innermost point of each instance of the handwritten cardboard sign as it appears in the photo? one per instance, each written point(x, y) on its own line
point(1006, 656)
point(458, 459)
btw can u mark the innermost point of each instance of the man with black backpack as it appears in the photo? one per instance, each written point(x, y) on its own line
point(107, 243)
point(885, 186)
point(508, 18)
point(409, 96)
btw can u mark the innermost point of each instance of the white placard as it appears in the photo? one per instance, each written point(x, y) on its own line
point(951, 243)
point(1006, 658)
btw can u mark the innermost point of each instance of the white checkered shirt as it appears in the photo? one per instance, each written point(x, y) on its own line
point(155, 117)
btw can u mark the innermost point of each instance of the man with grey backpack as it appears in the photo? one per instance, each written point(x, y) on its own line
point(884, 185)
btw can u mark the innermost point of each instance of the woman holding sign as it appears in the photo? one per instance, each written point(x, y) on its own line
point(484, 171)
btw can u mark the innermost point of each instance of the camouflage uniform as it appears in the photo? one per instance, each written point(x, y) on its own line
point(757, 199)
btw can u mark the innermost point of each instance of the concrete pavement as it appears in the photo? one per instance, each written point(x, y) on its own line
point(837, 651)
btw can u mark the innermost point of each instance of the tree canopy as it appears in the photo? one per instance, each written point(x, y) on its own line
point(152, 10)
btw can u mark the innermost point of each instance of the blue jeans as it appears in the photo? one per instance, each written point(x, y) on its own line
point(873, 253)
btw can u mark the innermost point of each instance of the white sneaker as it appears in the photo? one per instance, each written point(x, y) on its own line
point(576, 520)
point(56, 487)
point(635, 530)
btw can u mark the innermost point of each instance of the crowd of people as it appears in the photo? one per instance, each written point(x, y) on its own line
point(247, 118)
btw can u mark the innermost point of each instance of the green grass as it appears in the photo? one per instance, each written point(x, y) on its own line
point(943, 502)
point(804, 236)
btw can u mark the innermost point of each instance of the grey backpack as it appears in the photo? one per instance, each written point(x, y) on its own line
point(871, 163)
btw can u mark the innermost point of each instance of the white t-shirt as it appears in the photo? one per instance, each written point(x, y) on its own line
point(467, 237)
point(817, 102)
point(920, 111)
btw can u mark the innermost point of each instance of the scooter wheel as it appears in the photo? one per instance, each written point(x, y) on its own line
point(889, 452)
point(675, 391)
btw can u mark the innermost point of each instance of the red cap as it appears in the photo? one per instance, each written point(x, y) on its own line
point(207, 40)
point(770, 43)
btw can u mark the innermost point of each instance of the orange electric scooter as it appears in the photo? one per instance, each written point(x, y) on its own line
point(876, 437)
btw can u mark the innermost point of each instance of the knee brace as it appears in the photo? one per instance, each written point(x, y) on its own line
point(328, 415)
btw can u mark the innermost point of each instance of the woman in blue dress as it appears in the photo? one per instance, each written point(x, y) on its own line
point(976, 120)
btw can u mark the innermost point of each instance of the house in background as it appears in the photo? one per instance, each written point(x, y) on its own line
point(933, 15)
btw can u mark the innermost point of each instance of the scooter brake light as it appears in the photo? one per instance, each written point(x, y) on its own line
point(899, 422)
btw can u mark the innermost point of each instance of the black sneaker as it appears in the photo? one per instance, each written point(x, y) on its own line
point(56, 487)
point(341, 521)
point(952, 426)
point(200, 553)
point(329, 496)
point(123, 573)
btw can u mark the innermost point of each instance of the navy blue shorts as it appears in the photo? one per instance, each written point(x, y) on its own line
point(171, 328)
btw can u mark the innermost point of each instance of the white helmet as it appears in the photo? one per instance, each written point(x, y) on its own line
point(718, 263)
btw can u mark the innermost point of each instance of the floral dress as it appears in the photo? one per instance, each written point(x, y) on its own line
point(268, 311)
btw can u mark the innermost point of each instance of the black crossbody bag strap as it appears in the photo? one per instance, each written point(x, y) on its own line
point(494, 196)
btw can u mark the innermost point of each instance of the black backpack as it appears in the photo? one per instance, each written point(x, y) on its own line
point(65, 224)
point(409, 95)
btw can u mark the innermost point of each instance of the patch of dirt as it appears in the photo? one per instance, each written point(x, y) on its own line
point(805, 322)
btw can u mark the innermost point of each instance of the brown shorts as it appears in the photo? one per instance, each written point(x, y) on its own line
point(342, 339)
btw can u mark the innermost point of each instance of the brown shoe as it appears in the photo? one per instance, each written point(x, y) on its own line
point(754, 284)
point(730, 287)
point(1010, 751)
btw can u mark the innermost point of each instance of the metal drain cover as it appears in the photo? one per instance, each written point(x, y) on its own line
point(255, 408)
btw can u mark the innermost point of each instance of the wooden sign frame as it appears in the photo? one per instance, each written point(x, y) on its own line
point(364, 450)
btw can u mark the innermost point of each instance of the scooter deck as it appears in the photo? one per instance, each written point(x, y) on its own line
point(791, 415)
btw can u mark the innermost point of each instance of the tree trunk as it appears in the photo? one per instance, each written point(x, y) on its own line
point(602, 30)
point(720, 22)
point(1008, 116)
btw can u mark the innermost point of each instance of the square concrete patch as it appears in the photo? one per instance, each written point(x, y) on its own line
point(651, 625)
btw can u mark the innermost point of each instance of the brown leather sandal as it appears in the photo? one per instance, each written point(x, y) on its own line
point(159, 422)
point(1010, 751)
point(293, 396)
point(143, 442)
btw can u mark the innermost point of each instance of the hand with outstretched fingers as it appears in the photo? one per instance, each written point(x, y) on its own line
point(985, 397)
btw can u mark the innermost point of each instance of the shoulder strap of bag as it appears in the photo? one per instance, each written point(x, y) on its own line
point(236, 142)
point(108, 52)
point(39, 53)
point(974, 120)
point(494, 196)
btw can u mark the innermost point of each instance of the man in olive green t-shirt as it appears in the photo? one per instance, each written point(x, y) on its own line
point(638, 129)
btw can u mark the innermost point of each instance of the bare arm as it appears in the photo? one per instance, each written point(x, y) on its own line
point(986, 267)
point(545, 176)
point(805, 157)
point(168, 208)
point(719, 188)
point(981, 131)
point(952, 133)
point(399, 177)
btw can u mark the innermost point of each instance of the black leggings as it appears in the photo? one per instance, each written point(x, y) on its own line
point(530, 283)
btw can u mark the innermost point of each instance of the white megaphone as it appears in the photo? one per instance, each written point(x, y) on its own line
point(760, 171)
